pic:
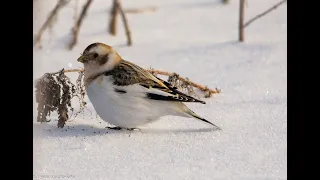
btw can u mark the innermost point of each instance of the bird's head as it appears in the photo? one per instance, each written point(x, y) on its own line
point(99, 57)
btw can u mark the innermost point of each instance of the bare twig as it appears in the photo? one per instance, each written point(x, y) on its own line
point(165, 73)
point(196, 85)
point(78, 23)
point(241, 20)
point(75, 16)
point(66, 97)
point(113, 19)
point(140, 10)
point(125, 21)
point(80, 93)
point(67, 71)
point(264, 13)
point(49, 21)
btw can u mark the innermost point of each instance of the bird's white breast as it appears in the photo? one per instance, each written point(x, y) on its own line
point(129, 109)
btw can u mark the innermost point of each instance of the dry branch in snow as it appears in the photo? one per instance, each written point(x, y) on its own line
point(264, 13)
point(243, 25)
point(54, 92)
point(125, 22)
point(113, 18)
point(173, 76)
point(115, 10)
point(241, 20)
point(50, 20)
point(76, 27)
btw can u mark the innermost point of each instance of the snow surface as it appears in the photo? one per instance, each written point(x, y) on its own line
point(197, 39)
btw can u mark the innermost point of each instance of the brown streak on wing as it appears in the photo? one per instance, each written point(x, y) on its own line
point(127, 73)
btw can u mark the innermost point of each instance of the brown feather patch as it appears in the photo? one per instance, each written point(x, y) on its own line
point(104, 59)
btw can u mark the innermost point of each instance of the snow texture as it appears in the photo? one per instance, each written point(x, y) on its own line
point(196, 39)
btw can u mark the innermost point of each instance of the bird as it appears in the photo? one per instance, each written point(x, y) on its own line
point(127, 96)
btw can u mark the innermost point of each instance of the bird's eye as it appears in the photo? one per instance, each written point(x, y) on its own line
point(95, 55)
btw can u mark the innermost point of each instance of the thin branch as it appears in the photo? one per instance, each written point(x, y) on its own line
point(125, 21)
point(241, 20)
point(67, 71)
point(49, 20)
point(114, 17)
point(196, 85)
point(264, 13)
point(75, 16)
point(78, 23)
point(165, 73)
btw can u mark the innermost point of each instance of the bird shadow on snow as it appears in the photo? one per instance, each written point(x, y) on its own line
point(83, 130)
point(176, 131)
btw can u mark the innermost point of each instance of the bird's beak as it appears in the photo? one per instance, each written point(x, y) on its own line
point(81, 59)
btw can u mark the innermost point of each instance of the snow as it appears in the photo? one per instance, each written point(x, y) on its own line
point(196, 39)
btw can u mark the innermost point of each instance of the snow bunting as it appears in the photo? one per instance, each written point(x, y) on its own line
point(127, 96)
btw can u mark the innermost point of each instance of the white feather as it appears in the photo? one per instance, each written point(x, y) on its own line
point(130, 109)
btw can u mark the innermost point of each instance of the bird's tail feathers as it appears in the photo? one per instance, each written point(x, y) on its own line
point(188, 113)
point(193, 114)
